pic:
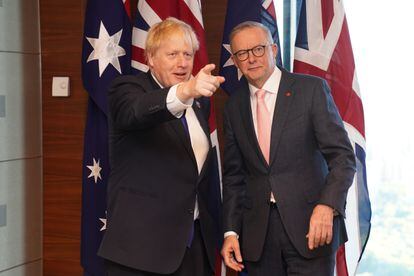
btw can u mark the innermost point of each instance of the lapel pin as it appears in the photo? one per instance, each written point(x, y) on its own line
point(288, 94)
point(198, 104)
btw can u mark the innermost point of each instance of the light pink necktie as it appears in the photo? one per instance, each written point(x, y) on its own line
point(263, 128)
point(263, 124)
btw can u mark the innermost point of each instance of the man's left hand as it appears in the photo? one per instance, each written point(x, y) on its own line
point(320, 226)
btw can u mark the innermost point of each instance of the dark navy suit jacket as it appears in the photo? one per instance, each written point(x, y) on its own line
point(154, 180)
point(311, 162)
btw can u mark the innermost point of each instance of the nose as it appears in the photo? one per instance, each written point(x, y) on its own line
point(182, 61)
point(251, 58)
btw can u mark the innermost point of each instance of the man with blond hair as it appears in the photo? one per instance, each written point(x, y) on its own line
point(159, 220)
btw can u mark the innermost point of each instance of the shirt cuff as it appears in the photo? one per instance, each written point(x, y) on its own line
point(174, 105)
point(231, 233)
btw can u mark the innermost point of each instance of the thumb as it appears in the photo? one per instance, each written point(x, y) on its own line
point(238, 255)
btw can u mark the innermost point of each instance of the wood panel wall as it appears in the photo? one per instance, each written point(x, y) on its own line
point(64, 121)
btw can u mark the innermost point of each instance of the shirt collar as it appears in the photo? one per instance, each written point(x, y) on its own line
point(161, 86)
point(271, 85)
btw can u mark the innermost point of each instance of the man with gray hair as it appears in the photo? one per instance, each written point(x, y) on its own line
point(288, 164)
point(159, 220)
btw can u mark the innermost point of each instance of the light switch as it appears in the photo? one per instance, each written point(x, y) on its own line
point(60, 87)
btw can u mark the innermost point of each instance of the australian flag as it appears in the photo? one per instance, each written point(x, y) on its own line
point(106, 55)
point(238, 11)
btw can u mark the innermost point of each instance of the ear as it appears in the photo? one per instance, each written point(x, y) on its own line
point(274, 50)
point(150, 59)
point(235, 61)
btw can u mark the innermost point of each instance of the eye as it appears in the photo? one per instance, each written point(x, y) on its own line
point(188, 55)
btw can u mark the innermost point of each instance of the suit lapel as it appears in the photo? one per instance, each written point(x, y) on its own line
point(178, 126)
point(184, 137)
point(247, 122)
point(284, 99)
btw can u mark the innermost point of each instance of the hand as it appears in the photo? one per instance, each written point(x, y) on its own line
point(320, 226)
point(230, 251)
point(203, 84)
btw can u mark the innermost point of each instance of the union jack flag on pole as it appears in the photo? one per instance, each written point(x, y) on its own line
point(189, 11)
point(323, 48)
point(106, 55)
point(238, 11)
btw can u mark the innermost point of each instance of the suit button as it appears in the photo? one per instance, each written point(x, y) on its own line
point(191, 211)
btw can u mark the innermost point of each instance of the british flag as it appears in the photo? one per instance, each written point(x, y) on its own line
point(323, 48)
point(189, 11)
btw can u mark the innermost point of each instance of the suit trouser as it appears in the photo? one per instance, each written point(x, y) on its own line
point(195, 261)
point(281, 258)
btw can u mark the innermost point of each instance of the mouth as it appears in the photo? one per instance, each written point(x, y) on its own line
point(181, 76)
point(253, 68)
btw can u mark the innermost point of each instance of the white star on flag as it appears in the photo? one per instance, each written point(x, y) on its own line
point(95, 170)
point(104, 224)
point(106, 49)
point(230, 62)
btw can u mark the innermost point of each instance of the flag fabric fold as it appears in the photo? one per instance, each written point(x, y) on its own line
point(324, 49)
point(105, 55)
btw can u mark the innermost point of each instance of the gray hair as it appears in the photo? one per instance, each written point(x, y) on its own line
point(250, 24)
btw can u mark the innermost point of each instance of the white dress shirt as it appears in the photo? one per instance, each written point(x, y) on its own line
point(198, 138)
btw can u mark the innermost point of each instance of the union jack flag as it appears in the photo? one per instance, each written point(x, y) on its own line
point(323, 48)
point(189, 11)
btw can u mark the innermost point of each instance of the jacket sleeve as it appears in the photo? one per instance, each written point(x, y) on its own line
point(134, 103)
point(335, 146)
point(234, 174)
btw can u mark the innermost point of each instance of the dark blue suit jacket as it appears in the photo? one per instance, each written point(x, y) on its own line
point(311, 162)
point(154, 180)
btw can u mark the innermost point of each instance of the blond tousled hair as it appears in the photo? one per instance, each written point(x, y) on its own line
point(160, 31)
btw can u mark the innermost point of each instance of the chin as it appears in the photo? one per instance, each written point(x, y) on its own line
point(178, 80)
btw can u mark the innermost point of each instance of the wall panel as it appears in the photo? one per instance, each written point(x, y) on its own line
point(28, 269)
point(20, 139)
point(20, 128)
point(19, 26)
point(20, 192)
